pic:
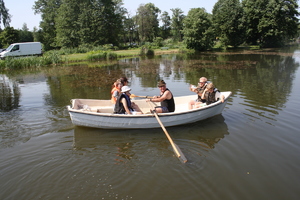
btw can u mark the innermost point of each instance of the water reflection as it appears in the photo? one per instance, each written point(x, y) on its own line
point(194, 139)
point(260, 82)
point(9, 93)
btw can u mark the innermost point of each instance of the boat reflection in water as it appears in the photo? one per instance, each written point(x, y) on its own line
point(123, 145)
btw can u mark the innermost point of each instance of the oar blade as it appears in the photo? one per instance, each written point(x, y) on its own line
point(181, 156)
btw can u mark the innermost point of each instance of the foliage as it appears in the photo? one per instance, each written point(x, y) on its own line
point(98, 55)
point(197, 30)
point(4, 15)
point(48, 10)
point(177, 24)
point(158, 41)
point(166, 25)
point(227, 23)
point(25, 35)
point(147, 21)
point(69, 24)
point(150, 52)
point(8, 36)
point(66, 24)
point(49, 58)
point(270, 23)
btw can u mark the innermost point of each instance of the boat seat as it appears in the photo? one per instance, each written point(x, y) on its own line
point(102, 109)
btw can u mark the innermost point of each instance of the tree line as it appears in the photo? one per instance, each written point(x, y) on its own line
point(73, 23)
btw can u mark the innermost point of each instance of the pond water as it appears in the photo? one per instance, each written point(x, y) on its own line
point(251, 151)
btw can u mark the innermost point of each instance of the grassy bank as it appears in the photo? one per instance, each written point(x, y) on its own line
point(84, 55)
point(49, 58)
point(59, 57)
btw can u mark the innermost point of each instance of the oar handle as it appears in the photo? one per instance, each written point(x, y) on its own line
point(147, 97)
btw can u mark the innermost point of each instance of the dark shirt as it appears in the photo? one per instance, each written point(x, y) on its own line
point(168, 103)
point(119, 108)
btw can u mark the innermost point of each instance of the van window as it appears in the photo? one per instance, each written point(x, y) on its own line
point(15, 48)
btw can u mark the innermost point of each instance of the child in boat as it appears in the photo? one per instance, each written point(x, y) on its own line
point(115, 92)
point(124, 104)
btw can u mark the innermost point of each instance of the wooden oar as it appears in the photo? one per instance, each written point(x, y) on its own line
point(133, 95)
point(176, 149)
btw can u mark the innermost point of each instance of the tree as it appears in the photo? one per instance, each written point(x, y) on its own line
point(130, 30)
point(227, 15)
point(67, 26)
point(25, 35)
point(177, 23)
point(48, 10)
point(147, 21)
point(4, 15)
point(197, 30)
point(8, 36)
point(112, 16)
point(166, 25)
point(270, 22)
point(95, 22)
point(37, 35)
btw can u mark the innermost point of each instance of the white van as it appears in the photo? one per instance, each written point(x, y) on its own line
point(22, 49)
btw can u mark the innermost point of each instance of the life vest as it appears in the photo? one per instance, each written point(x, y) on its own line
point(201, 90)
point(113, 99)
point(211, 96)
point(119, 108)
point(169, 103)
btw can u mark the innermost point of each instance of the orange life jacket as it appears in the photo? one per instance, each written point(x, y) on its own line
point(114, 99)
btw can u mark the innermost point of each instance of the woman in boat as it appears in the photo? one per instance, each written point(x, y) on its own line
point(199, 91)
point(212, 94)
point(166, 99)
point(124, 81)
point(124, 104)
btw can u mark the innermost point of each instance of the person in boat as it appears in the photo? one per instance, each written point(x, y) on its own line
point(166, 99)
point(124, 81)
point(212, 94)
point(116, 91)
point(124, 104)
point(199, 91)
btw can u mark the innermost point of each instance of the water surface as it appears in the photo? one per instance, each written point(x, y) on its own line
point(251, 151)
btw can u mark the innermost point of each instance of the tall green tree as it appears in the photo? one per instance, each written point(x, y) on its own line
point(112, 17)
point(94, 22)
point(166, 25)
point(4, 15)
point(270, 22)
point(227, 22)
point(147, 21)
point(48, 10)
point(177, 24)
point(130, 30)
point(197, 30)
point(67, 26)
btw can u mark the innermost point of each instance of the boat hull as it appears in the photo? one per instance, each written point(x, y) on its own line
point(91, 118)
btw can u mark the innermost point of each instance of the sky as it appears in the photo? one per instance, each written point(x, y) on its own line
point(22, 12)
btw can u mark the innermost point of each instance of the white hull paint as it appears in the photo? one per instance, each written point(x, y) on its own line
point(106, 120)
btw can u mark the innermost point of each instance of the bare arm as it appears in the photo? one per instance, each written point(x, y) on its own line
point(126, 106)
point(166, 95)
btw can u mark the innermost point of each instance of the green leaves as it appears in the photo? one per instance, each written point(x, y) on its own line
point(198, 34)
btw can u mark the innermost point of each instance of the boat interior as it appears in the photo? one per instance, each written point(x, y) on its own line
point(106, 106)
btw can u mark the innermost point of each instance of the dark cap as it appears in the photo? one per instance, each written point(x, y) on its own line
point(161, 83)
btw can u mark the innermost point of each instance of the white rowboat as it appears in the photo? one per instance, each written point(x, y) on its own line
point(99, 113)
